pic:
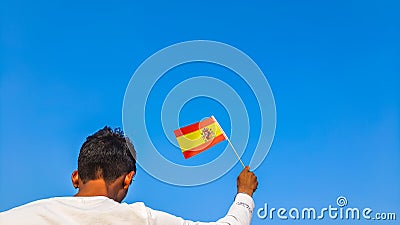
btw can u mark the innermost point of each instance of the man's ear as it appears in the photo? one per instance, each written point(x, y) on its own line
point(128, 179)
point(75, 179)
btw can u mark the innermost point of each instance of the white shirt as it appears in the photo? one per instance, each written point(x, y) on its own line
point(102, 210)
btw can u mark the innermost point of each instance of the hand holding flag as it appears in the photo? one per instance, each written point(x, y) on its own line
point(247, 182)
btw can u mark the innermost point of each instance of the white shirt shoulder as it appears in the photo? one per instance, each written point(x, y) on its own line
point(76, 210)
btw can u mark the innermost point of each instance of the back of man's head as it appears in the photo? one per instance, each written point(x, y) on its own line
point(107, 154)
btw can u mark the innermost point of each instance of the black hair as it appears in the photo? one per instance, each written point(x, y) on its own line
point(106, 154)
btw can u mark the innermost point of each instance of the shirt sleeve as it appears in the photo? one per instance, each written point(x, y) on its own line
point(240, 213)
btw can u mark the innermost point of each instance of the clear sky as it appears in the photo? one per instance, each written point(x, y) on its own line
point(333, 67)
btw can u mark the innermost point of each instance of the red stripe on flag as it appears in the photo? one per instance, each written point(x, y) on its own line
point(201, 148)
point(193, 127)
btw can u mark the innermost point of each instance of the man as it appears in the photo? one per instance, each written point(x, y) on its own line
point(106, 167)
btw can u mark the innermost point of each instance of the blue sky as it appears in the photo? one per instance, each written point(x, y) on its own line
point(333, 68)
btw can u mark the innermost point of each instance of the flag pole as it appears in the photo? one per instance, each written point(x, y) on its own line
point(234, 150)
point(229, 141)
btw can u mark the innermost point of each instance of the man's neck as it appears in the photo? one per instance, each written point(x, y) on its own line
point(95, 188)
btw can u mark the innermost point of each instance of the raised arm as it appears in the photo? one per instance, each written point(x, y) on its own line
point(240, 212)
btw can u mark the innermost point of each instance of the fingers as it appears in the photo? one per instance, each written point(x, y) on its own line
point(247, 181)
point(254, 181)
point(245, 169)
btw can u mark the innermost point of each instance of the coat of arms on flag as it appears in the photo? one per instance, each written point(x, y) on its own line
point(207, 134)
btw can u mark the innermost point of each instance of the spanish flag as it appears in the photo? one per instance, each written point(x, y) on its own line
point(198, 137)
